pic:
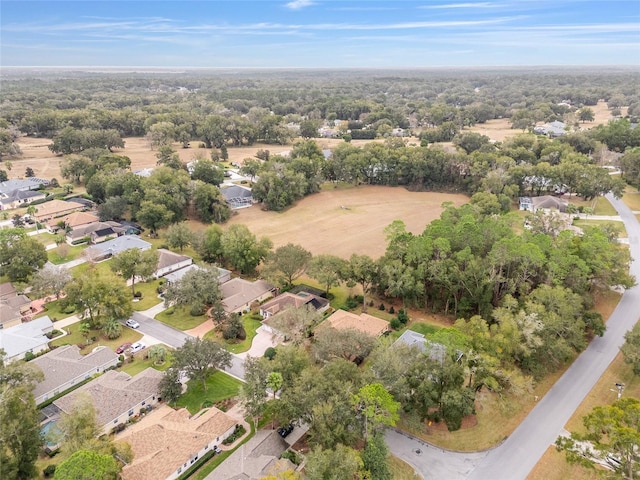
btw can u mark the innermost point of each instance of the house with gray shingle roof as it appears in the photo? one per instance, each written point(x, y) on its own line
point(435, 351)
point(237, 196)
point(107, 249)
point(25, 337)
point(169, 261)
point(116, 396)
point(65, 367)
point(13, 310)
point(167, 442)
point(20, 198)
point(254, 460)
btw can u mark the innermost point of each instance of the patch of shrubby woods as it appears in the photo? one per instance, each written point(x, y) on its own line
point(524, 302)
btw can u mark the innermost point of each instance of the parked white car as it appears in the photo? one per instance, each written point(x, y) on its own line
point(136, 347)
point(132, 323)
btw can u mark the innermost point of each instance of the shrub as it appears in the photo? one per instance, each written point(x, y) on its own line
point(137, 294)
point(197, 310)
point(350, 303)
point(49, 470)
point(237, 433)
point(69, 309)
point(381, 307)
point(402, 316)
point(395, 324)
point(359, 298)
point(233, 329)
point(270, 353)
point(169, 311)
point(28, 356)
point(391, 309)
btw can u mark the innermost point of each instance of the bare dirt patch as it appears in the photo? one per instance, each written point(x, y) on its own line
point(321, 224)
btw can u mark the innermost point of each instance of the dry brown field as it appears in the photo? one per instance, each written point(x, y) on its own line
point(500, 129)
point(321, 225)
point(45, 164)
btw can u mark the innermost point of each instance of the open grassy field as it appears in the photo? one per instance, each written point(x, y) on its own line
point(500, 129)
point(36, 154)
point(347, 221)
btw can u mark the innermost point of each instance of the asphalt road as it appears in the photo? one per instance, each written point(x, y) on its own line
point(166, 334)
point(431, 463)
point(517, 456)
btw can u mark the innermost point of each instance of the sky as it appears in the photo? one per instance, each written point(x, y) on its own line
point(319, 33)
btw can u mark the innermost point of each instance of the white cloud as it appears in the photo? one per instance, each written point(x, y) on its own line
point(298, 4)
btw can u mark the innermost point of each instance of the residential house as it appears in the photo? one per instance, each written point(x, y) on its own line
point(548, 202)
point(97, 232)
point(105, 234)
point(30, 337)
point(116, 396)
point(107, 249)
point(19, 192)
point(166, 442)
point(20, 198)
point(223, 274)
point(554, 129)
point(272, 308)
point(65, 367)
point(365, 323)
point(169, 261)
point(237, 196)
point(526, 204)
point(71, 221)
point(55, 208)
point(145, 172)
point(7, 290)
point(14, 309)
point(256, 459)
point(238, 294)
point(435, 351)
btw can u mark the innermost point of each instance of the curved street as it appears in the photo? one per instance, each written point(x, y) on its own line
point(516, 457)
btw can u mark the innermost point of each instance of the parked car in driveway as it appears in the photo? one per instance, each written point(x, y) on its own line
point(136, 347)
point(132, 323)
point(122, 348)
point(285, 430)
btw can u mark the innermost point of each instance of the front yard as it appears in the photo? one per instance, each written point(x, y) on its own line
point(220, 386)
point(250, 325)
point(74, 337)
point(180, 318)
point(149, 297)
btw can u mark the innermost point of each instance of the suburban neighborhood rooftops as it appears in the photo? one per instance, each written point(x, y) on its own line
point(31, 183)
point(167, 258)
point(24, 337)
point(115, 393)
point(166, 439)
point(75, 219)
point(238, 292)
point(365, 323)
point(55, 208)
point(117, 245)
point(7, 290)
point(288, 299)
point(66, 363)
point(254, 460)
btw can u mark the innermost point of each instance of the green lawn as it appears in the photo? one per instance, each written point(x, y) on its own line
point(423, 328)
point(140, 363)
point(250, 326)
point(74, 338)
point(45, 238)
point(102, 267)
point(71, 253)
point(220, 386)
point(632, 198)
point(181, 318)
point(54, 311)
point(149, 295)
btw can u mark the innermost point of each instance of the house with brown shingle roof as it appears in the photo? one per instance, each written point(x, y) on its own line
point(73, 220)
point(116, 396)
point(238, 294)
point(365, 323)
point(65, 367)
point(292, 300)
point(167, 442)
point(56, 208)
point(13, 309)
point(169, 261)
